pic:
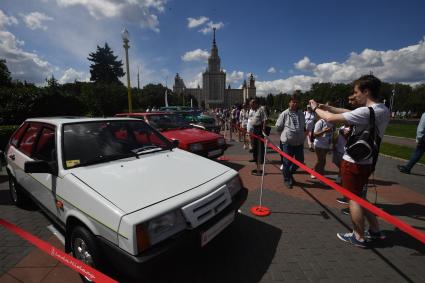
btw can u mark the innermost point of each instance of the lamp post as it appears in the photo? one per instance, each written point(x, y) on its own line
point(125, 36)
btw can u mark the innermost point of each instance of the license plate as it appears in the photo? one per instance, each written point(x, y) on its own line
point(212, 232)
point(214, 152)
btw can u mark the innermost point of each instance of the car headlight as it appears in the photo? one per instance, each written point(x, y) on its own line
point(234, 185)
point(195, 147)
point(159, 229)
point(221, 141)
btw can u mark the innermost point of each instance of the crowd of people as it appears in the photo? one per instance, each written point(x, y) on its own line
point(353, 137)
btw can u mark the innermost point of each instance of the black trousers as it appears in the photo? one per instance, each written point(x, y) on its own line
point(258, 146)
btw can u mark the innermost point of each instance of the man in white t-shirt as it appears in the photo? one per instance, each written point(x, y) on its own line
point(355, 173)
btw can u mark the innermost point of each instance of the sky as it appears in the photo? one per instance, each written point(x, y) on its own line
point(286, 44)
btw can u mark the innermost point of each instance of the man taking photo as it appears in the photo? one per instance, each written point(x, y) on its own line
point(356, 169)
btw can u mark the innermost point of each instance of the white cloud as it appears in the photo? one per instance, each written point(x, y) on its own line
point(235, 77)
point(271, 70)
point(209, 27)
point(405, 65)
point(6, 20)
point(196, 55)
point(193, 23)
point(70, 75)
point(134, 11)
point(305, 64)
point(35, 20)
point(195, 81)
point(288, 85)
point(23, 65)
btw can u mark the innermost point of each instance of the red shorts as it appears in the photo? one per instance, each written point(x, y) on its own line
point(355, 176)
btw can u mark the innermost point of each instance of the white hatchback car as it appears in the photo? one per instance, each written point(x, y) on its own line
point(121, 192)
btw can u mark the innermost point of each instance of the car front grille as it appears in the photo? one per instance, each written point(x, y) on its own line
point(205, 208)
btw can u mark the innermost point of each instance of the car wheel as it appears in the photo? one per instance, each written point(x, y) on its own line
point(16, 194)
point(84, 248)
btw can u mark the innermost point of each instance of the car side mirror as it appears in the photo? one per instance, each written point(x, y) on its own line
point(39, 166)
point(175, 143)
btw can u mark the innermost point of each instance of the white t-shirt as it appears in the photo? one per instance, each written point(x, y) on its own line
point(309, 120)
point(325, 139)
point(243, 118)
point(360, 118)
point(250, 126)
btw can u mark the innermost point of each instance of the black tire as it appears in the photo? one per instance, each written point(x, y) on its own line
point(84, 248)
point(17, 195)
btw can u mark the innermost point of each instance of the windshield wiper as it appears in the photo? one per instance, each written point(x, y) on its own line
point(146, 149)
point(106, 158)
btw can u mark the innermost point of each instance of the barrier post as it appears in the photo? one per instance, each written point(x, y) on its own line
point(261, 210)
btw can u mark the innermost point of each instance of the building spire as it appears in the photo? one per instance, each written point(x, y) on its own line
point(214, 36)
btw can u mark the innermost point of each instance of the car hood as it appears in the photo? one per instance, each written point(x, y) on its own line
point(133, 184)
point(191, 135)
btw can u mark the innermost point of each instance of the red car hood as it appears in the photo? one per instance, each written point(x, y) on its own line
point(192, 135)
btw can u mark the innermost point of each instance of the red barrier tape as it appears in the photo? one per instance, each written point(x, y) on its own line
point(377, 211)
point(61, 256)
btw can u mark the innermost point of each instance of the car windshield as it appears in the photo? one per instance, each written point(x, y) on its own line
point(101, 141)
point(167, 121)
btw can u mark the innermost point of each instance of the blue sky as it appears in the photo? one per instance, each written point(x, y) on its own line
point(288, 45)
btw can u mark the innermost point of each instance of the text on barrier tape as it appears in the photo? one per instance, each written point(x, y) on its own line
point(377, 211)
point(61, 256)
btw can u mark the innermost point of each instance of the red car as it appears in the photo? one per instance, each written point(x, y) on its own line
point(175, 127)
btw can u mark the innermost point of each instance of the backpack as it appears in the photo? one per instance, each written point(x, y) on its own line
point(364, 145)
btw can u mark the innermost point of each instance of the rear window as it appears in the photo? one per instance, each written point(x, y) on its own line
point(18, 134)
point(27, 143)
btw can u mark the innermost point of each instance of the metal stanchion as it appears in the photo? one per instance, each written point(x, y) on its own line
point(261, 210)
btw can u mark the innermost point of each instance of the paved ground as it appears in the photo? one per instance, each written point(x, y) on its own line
point(296, 243)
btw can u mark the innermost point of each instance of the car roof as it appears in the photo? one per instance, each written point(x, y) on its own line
point(73, 119)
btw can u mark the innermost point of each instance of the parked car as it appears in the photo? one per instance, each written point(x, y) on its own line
point(121, 192)
point(202, 121)
point(175, 127)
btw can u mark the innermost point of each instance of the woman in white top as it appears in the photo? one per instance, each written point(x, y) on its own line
point(310, 118)
point(243, 120)
point(322, 143)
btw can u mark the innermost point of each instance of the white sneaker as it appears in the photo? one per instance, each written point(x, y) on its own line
point(281, 167)
point(312, 177)
point(338, 179)
point(244, 146)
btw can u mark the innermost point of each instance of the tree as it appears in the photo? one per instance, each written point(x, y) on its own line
point(106, 69)
point(5, 78)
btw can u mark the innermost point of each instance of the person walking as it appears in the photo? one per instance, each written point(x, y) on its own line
point(323, 132)
point(291, 125)
point(420, 147)
point(355, 170)
point(310, 118)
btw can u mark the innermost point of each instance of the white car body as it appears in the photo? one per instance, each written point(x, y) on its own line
point(112, 198)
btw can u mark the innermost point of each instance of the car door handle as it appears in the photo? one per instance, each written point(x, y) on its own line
point(12, 156)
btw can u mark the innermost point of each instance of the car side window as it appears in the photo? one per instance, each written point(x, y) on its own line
point(18, 134)
point(45, 147)
point(27, 143)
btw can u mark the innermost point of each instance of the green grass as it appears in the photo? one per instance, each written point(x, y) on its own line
point(399, 151)
point(402, 130)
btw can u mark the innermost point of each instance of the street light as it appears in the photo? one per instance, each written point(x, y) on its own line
point(125, 36)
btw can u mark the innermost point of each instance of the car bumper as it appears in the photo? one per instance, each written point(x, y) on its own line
point(136, 266)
